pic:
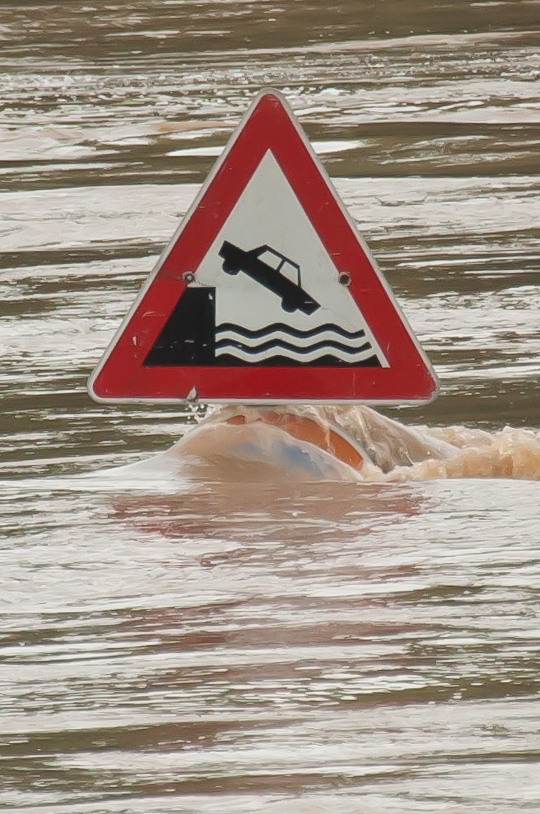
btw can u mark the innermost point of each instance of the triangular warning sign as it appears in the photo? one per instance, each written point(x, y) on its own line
point(266, 293)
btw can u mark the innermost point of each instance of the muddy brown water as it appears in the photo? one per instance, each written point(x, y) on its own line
point(197, 646)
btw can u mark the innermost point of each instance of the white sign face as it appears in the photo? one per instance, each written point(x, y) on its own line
point(277, 291)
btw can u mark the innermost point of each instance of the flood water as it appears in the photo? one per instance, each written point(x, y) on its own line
point(208, 646)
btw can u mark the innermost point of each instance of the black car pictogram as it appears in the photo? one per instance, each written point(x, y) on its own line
point(266, 266)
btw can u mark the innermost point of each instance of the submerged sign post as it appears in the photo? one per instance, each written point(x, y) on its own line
point(266, 293)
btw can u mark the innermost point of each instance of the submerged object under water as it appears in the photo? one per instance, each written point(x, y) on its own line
point(276, 439)
point(309, 441)
point(351, 443)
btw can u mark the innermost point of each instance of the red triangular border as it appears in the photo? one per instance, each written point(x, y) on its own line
point(268, 125)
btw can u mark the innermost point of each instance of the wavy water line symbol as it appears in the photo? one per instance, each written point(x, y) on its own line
point(285, 341)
